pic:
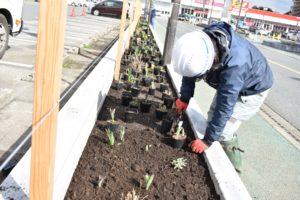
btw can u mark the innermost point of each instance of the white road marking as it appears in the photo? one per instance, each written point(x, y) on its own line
point(16, 64)
point(283, 66)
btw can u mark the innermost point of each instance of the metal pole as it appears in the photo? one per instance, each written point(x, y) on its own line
point(239, 14)
point(171, 33)
point(212, 7)
point(225, 13)
point(203, 9)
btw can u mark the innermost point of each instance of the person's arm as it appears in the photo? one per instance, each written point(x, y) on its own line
point(231, 83)
point(186, 93)
point(187, 89)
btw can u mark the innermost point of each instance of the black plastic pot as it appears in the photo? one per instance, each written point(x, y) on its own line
point(151, 91)
point(113, 126)
point(168, 102)
point(163, 87)
point(146, 81)
point(137, 83)
point(126, 98)
point(178, 142)
point(145, 106)
point(165, 95)
point(134, 105)
point(118, 86)
point(160, 114)
point(156, 70)
point(135, 91)
point(166, 125)
point(130, 115)
point(159, 79)
point(163, 73)
point(125, 77)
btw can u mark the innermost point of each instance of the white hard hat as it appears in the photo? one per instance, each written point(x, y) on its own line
point(193, 54)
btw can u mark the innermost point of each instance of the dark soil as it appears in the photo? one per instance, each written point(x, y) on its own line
point(108, 172)
point(123, 166)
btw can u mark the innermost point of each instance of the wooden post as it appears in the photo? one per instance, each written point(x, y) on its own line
point(131, 25)
point(138, 12)
point(50, 41)
point(121, 37)
point(171, 33)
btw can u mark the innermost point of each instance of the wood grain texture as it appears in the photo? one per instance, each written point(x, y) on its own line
point(120, 42)
point(51, 29)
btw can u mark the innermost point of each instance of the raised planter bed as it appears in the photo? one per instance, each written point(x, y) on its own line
point(107, 172)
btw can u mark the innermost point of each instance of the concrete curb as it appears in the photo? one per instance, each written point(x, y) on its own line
point(75, 122)
point(227, 182)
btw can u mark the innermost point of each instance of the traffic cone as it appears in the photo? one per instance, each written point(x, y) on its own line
point(73, 14)
point(83, 11)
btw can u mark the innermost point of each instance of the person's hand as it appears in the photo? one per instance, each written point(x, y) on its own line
point(198, 146)
point(180, 106)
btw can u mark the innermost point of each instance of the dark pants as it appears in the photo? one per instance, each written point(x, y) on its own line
point(152, 16)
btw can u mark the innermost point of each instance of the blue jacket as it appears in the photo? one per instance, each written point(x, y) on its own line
point(243, 71)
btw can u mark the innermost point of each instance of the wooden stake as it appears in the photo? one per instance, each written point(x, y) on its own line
point(52, 20)
point(121, 37)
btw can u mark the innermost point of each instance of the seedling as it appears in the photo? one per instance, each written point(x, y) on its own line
point(112, 114)
point(168, 93)
point(162, 108)
point(180, 130)
point(162, 69)
point(147, 147)
point(122, 134)
point(131, 196)
point(153, 85)
point(179, 163)
point(111, 137)
point(148, 179)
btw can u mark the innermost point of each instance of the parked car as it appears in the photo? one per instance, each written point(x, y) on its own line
point(283, 34)
point(77, 3)
point(262, 31)
point(184, 17)
point(109, 7)
point(91, 4)
point(293, 35)
point(252, 29)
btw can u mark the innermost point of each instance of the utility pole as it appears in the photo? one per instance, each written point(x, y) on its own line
point(146, 10)
point(212, 7)
point(239, 14)
point(151, 6)
point(225, 14)
point(171, 32)
point(203, 10)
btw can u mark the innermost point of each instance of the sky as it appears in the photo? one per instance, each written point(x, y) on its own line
point(276, 5)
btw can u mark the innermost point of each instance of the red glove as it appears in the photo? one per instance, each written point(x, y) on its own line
point(198, 146)
point(180, 105)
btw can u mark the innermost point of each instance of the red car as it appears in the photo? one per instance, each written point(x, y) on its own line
point(108, 7)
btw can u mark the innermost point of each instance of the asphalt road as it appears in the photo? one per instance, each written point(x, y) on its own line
point(284, 96)
point(18, 65)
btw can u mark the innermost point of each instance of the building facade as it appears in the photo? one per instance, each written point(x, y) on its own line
point(213, 9)
point(296, 8)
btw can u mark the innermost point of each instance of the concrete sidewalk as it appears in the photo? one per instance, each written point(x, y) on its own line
point(270, 163)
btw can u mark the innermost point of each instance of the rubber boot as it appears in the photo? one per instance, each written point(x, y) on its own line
point(233, 152)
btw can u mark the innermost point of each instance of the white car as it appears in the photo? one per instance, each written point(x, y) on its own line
point(91, 4)
point(293, 35)
point(262, 31)
point(77, 3)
